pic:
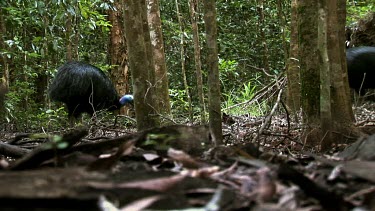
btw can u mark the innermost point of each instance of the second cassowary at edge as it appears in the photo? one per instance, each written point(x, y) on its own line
point(85, 89)
point(361, 68)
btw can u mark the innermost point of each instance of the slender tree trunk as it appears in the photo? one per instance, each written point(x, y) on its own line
point(263, 35)
point(25, 78)
point(76, 31)
point(161, 76)
point(42, 78)
point(283, 29)
point(293, 71)
point(197, 57)
point(117, 51)
point(143, 96)
point(341, 18)
point(150, 64)
point(4, 79)
point(183, 66)
point(309, 64)
point(68, 34)
point(325, 76)
point(213, 71)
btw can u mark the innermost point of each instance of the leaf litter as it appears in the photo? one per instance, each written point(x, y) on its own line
point(178, 168)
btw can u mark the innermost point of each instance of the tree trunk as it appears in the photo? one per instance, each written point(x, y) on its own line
point(263, 35)
point(333, 107)
point(135, 38)
point(69, 50)
point(342, 114)
point(42, 78)
point(161, 77)
point(283, 30)
point(325, 76)
point(4, 79)
point(72, 34)
point(117, 51)
point(213, 71)
point(309, 64)
point(76, 31)
point(150, 64)
point(182, 56)
point(197, 57)
point(341, 16)
point(293, 71)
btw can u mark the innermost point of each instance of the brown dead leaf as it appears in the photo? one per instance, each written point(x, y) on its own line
point(186, 160)
point(266, 186)
point(204, 172)
point(158, 184)
point(108, 162)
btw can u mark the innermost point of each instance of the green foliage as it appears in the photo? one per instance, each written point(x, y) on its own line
point(35, 44)
point(36, 37)
point(228, 74)
point(53, 118)
point(159, 141)
point(32, 118)
point(244, 94)
point(178, 101)
point(358, 9)
point(240, 48)
point(56, 143)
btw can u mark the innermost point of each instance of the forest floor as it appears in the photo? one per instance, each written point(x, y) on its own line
point(262, 165)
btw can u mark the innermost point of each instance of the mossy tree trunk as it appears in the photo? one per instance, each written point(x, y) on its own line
point(293, 70)
point(214, 94)
point(309, 64)
point(4, 72)
point(326, 103)
point(138, 60)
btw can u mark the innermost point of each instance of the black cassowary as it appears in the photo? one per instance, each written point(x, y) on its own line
point(361, 68)
point(85, 89)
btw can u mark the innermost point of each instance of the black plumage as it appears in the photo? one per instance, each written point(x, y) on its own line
point(361, 68)
point(84, 88)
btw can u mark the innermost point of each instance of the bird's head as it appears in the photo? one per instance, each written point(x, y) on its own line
point(126, 99)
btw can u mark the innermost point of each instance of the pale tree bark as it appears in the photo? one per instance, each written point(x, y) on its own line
point(325, 77)
point(161, 77)
point(293, 71)
point(214, 94)
point(183, 66)
point(138, 60)
point(117, 52)
point(193, 5)
point(309, 64)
